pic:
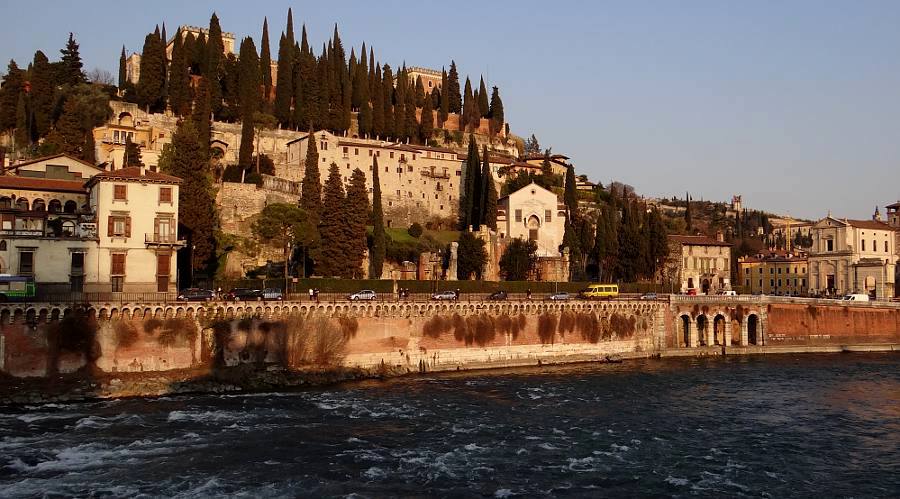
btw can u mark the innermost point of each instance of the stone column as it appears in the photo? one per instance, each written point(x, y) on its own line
point(727, 333)
point(692, 334)
point(710, 333)
point(744, 331)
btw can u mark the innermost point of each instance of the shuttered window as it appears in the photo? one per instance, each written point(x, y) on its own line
point(120, 192)
point(118, 226)
point(118, 264)
point(165, 195)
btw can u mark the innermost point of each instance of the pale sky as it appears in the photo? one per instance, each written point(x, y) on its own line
point(794, 104)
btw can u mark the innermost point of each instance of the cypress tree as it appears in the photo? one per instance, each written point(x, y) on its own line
point(123, 74)
point(265, 64)
point(323, 89)
point(427, 121)
point(215, 64)
point(373, 80)
point(162, 37)
point(187, 48)
point(201, 117)
point(42, 93)
point(445, 99)
point(23, 125)
point(151, 82)
point(496, 111)
point(454, 98)
point(230, 86)
point(70, 66)
point(198, 59)
point(357, 206)
point(366, 117)
point(352, 68)
point(284, 85)
point(412, 124)
point(9, 95)
point(334, 251)
point(180, 97)
point(435, 98)
point(466, 199)
point(483, 106)
point(400, 106)
point(387, 88)
point(248, 84)
point(377, 255)
point(688, 217)
point(311, 188)
point(89, 153)
point(67, 135)
point(469, 108)
point(132, 156)
point(489, 193)
point(420, 92)
point(472, 202)
point(570, 197)
point(378, 105)
point(197, 219)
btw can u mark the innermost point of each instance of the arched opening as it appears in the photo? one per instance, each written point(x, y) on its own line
point(5, 202)
point(22, 204)
point(719, 330)
point(38, 205)
point(70, 206)
point(126, 119)
point(685, 337)
point(55, 206)
point(705, 285)
point(702, 326)
point(533, 224)
point(753, 335)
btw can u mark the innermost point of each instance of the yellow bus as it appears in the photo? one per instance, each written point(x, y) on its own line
point(601, 291)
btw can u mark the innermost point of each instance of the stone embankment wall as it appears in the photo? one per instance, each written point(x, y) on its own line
point(797, 324)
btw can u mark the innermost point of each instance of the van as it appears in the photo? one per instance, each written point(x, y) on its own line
point(728, 292)
point(856, 297)
point(600, 291)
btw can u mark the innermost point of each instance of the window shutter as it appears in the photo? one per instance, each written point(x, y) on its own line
point(127, 226)
point(109, 226)
point(156, 229)
point(162, 264)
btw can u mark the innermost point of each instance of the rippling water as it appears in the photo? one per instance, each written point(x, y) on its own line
point(773, 426)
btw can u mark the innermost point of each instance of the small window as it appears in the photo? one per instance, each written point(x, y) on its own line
point(165, 195)
point(863, 244)
point(356, 151)
point(26, 263)
point(392, 155)
point(120, 192)
point(885, 246)
point(518, 215)
point(547, 215)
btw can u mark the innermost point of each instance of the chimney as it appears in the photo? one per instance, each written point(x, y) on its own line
point(720, 236)
point(143, 170)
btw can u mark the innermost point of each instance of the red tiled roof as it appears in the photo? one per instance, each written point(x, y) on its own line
point(870, 224)
point(42, 184)
point(133, 173)
point(697, 240)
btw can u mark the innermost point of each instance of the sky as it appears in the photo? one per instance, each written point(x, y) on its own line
point(794, 105)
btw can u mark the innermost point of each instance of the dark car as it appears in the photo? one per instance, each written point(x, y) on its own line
point(561, 296)
point(243, 294)
point(498, 295)
point(649, 296)
point(195, 294)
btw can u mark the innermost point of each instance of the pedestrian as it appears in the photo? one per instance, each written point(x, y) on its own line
point(528, 294)
point(316, 293)
point(310, 294)
point(219, 293)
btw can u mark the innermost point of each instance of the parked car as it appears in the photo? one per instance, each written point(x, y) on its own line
point(691, 292)
point(195, 294)
point(728, 292)
point(649, 296)
point(445, 295)
point(856, 297)
point(561, 296)
point(243, 294)
point(272, 294)
point(600, 292)
point(498, 295)
point(364, 295)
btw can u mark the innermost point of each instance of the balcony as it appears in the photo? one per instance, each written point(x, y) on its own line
point(163, 240)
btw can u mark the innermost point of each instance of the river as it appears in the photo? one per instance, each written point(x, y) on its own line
point(778, 426)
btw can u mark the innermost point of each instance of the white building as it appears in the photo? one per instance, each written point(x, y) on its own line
point(534, 213)
point(76, 228)
point(853, 256)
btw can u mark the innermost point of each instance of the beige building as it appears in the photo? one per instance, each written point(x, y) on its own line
point(774, 273)
point(418, 183)
point(431, 78)
point(75, 228)
point(852, 256)
point(533, 213)
point(133, 62)
point(699, 263)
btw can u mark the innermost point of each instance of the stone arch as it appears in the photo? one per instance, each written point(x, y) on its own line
point(22, 204)
point(704, 331)
point(70, 206)
point(125, 118)
point(754, 329)
point(38, 205)
point(685, 332)
point(54, 206)
point(721, 334)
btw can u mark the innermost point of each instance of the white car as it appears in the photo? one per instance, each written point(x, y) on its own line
point(445, 295)
point(562, 296)
point(364, 295)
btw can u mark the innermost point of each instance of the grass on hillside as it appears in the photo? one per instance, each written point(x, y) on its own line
point(400, 235)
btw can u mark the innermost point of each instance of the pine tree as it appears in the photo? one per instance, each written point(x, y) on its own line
point(445, 99)
point(70, 67)
point(427, 121)
point(151, 82)
point(357, 207)
point(454, 98)
point(471, 257)
point(489, 193)
point(43, 88)
point(67, 135)
point(284, 85)
point(180, 97)
point(265, 64)
point(311, 188)
point(132, 156)
point(215, 64)
point(379, 249)
point(248, 83)
point(197, 219)
point(483, 106)
point(123, 74)
point(496, 111)
point(333, 252)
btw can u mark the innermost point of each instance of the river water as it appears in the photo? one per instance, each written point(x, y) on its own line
point(777, 426)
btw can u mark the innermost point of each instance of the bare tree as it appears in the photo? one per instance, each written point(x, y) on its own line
point(101, 76)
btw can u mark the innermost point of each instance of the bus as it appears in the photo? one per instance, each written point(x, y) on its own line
point(601, 291)
point(15, 287)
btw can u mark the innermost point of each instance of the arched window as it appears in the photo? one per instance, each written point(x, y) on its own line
point(5, 202)
point(68, 228)
point(70, 206)
point(38, 205)
point(2, 245)
point(22, 204)
point(55, 206)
